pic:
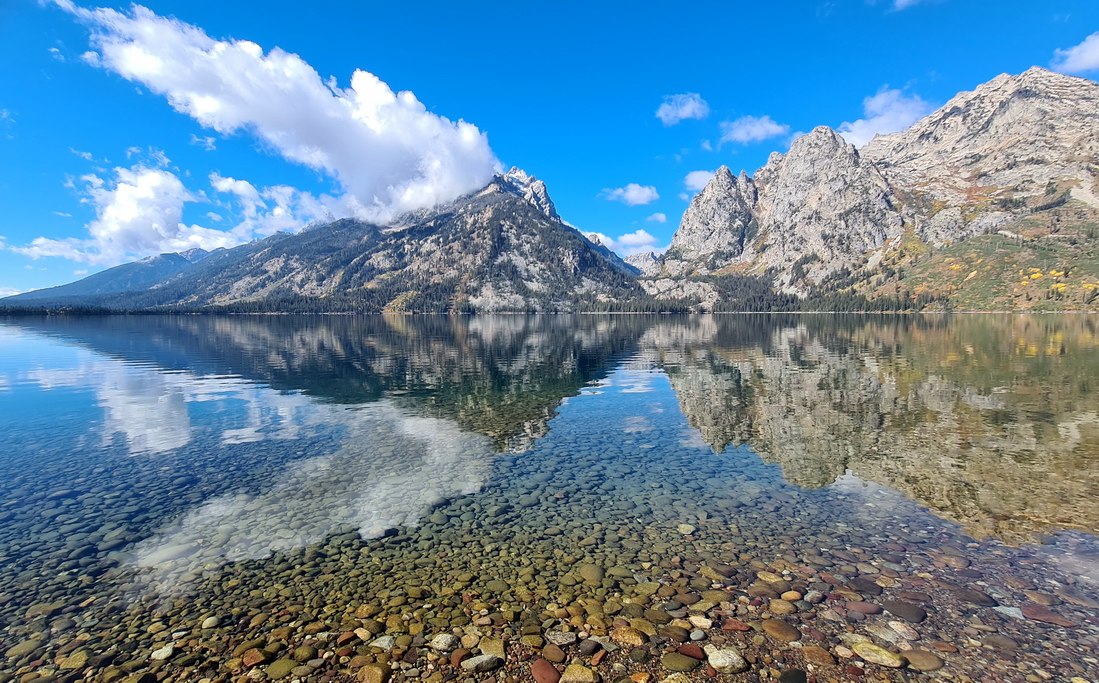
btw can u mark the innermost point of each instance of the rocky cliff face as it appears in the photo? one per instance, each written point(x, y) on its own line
point(1008, 137)
point(822, 206)
point(716, 228)
point(1017, 154)
point(806, 214)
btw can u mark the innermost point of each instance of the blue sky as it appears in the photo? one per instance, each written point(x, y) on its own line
point(126, 130)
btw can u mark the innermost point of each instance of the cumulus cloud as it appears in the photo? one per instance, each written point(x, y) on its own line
point(9, 291)
point(676, 108)
point(385, 149)
point(138, 212)
point(1078, 58)
point(748, 129)
point(697, 180)
point(632, 194)
point(658, 217)
point(887, 111)
point(636, 242)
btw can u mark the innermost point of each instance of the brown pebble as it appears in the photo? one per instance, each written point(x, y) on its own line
point(553, 653)
point(458, 655)
point(1044, 614)
point(544, 672)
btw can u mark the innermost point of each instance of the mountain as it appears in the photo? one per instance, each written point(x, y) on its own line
point(990, 202)
point(502, 248)
point(127, 277)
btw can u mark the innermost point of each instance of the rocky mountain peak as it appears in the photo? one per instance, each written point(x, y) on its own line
point(716, 226)
point(1008, 137)
point(531, 189)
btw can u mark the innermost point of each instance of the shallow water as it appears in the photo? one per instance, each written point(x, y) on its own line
point(301, 478)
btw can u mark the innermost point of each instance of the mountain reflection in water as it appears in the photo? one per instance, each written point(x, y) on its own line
point(986, 420)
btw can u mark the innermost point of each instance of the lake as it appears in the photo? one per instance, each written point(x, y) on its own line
point(436, 498)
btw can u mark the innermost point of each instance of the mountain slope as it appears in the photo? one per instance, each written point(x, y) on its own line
point(127, 277)
point(502, 248)
point(1018, 155)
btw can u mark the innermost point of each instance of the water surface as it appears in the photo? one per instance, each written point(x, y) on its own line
point(301, 478)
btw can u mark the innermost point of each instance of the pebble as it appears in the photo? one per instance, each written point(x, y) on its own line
point(163, 654)
point(905, 610)
point(922, 660)
point(210, 622)
point(482, 663)
point(878, 655)
point(725, 659)
point(280, 668)
point(674, 661)
point(544, 672)
point(561, 638)
point(793, 676)
point(1036, 612)
point(578, 673)
point(780, 630)
point(445, 642)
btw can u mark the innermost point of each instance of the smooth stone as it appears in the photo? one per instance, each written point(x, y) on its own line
point(553, 653)
point(975, 597)
point(780, 630)
point(863, 607)
point(793, 676)
point(210, 622)
point(578, 673)
point(482, 663)
point(922, 660)
point(997, 641)
point(280, 668)
point(878, 655)
point(163, 654)
point(1036, 612)
point(781, 607)
point(725, 659)
point(815, 654)
point(589, 647)
point(561, 638)
point(591, 574)
point(905, 610)
point(24, 648)
point(674, 661)
point(76, 660)
point(544, 672)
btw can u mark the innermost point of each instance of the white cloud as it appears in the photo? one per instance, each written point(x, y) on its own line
point(206, 142)
point(632, 194)
point(636, 242)
point(697, 180)
point(749, 129)
point(387, 152)
point(1078, 58)
point(9, 291)
point(676, 108)
point(62, 214)
point(905, 4)
point(707, 146)
point(658, 217)
point(138, 212)
point(56, 54)
point(3, 242)
point(86, 156)
point(887, 111)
